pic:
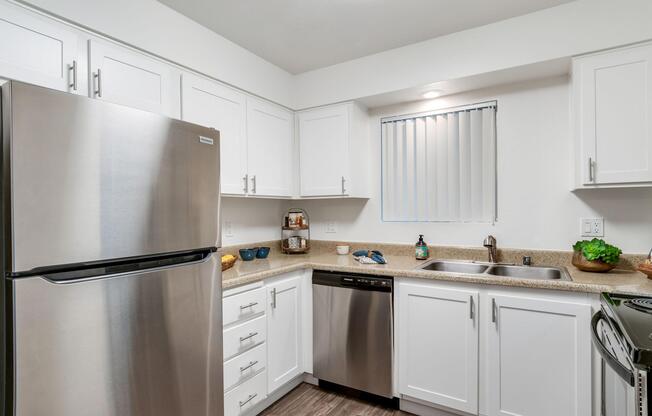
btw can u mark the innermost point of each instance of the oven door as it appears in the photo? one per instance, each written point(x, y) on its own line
point(623, 387)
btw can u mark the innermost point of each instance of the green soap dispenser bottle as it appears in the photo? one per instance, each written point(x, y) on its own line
point(421, 249)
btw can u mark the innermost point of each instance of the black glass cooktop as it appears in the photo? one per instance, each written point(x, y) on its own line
point(633, 316)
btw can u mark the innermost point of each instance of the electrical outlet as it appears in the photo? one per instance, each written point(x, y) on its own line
point(331, 227)
point(592, 227)
point(228, 229)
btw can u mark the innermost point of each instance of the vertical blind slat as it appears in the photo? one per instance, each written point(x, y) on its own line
point(410, 172)
point(421, 170)
point(386, 170)
point(431, 165)
point(489, 160)
point(476, 165)
point(453, 167)
point(440, 167)
point(465, 166)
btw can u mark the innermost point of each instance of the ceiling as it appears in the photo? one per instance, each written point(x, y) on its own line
point(301, 35)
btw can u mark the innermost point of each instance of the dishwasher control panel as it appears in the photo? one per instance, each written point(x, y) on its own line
point(354, 281)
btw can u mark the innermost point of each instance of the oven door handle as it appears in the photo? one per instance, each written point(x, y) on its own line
point(624, 372)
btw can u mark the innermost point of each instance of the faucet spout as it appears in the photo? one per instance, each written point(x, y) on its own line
point(490, 244)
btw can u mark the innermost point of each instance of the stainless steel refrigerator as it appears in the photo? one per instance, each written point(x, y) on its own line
point(112, 287)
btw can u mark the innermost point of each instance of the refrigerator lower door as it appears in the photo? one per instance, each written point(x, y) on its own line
point(144, 344)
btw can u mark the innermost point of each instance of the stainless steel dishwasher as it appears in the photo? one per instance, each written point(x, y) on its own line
point(353, 331)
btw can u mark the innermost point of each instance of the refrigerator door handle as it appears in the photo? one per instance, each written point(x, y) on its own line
point(89, 271)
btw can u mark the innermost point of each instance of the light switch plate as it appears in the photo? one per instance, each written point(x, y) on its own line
point(592, 227)
point(331, 227)
point(228, 229)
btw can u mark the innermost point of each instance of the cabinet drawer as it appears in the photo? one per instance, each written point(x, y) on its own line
point(244, 337)
point(244, 366)
point(243, 306)
point(241, 399)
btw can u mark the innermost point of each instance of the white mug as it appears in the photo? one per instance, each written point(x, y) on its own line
point(342, 250)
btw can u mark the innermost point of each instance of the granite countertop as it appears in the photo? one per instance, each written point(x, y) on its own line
point(401, 265)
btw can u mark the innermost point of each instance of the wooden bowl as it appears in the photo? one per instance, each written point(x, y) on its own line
point(594, 266)
point(646, 269)
point(226, 265)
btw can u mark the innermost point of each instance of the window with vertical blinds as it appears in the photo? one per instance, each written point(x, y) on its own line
point(440, 166)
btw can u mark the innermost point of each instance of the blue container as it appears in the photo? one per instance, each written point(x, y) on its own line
point(247, 254)
point(263, 252)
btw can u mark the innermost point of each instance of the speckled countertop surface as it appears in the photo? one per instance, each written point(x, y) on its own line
point(400, 265)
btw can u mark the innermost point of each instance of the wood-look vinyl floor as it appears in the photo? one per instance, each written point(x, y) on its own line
point(309, 400)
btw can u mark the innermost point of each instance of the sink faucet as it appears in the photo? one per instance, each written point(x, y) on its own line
point(490, 243)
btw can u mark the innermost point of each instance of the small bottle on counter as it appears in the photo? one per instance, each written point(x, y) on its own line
point(421, 249)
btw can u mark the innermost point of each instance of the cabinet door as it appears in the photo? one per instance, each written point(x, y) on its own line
point(269, 149)
point(214, 105)
point(324, 150)
point(284, 331)
point(615, 110)
point(38, 51)
point(538, 358)
point(438, 345)
point(125, 77)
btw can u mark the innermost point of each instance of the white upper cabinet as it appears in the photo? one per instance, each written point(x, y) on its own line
point(39, 51)
point(212, 104)
point(284, 330)
point(269, 149)
point(539, 357)
point(123, 76)
point(612, 94)
point(438, 341)
point(332, 145)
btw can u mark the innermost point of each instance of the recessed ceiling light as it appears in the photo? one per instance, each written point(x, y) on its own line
point(432, 94)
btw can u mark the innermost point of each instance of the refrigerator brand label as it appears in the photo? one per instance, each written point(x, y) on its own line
point(205, 140)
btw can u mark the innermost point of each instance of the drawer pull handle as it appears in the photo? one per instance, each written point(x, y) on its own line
point(251, 335)
point(248, 366)
point(252, 304)
point(250, 398)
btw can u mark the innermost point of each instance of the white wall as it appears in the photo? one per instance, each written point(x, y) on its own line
point(570, 29)
point(157, 29)
point(252, 220)
point(536, 208)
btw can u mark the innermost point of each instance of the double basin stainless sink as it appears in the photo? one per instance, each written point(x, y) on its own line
point(491, 269)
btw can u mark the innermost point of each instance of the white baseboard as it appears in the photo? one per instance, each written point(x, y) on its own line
point(276, 395)
point(310, 379)
point(420, 408)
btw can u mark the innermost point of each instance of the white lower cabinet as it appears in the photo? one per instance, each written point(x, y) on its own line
point(284, 330)
point(243, 337)
point(472, 350)
point(242, 399)
point(264, 341)
point(538, 357)
point(245, 349)
point(438, 342)
point(244, 366)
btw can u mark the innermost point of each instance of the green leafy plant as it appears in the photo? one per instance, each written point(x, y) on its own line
point(598, 249)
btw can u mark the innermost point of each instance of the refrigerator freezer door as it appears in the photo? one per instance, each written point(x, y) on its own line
point(92, 181)
point(147, 344)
